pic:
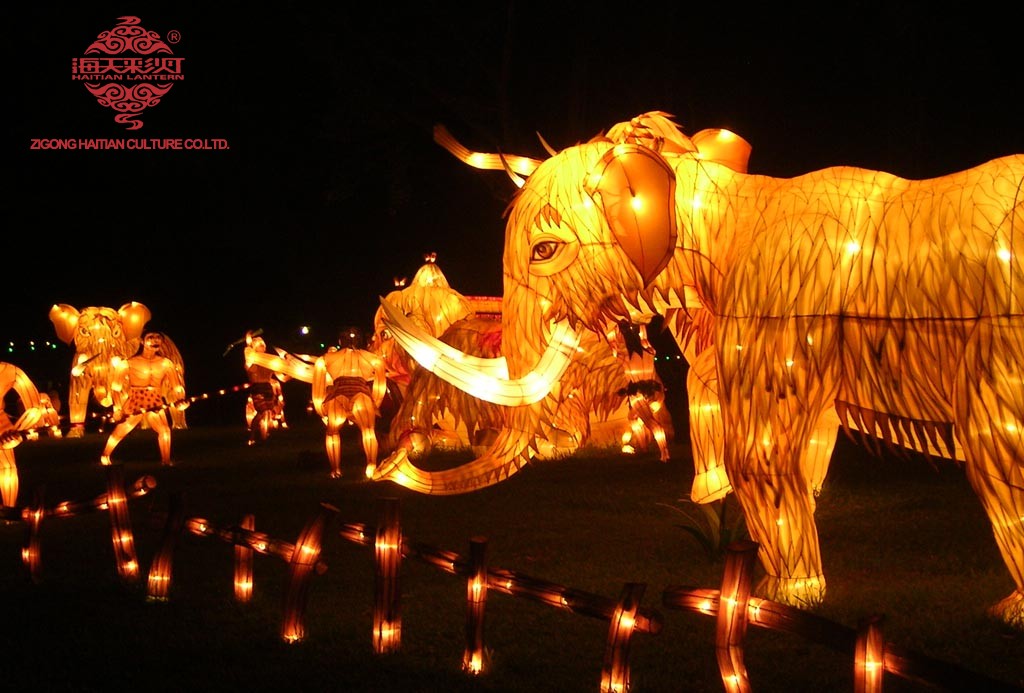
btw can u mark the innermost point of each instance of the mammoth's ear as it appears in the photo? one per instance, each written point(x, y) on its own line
point(65, 321)
point(134, 317)
point(636, 188)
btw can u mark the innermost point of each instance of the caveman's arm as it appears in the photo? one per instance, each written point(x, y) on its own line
point(321, 380)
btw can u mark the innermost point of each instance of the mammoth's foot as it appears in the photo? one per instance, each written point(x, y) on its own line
point(710, 485)
point(1010, 610)
point(77, 431)
point(802, 593)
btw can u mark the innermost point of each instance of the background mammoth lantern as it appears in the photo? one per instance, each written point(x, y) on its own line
point(841, 297)
point(100, 335)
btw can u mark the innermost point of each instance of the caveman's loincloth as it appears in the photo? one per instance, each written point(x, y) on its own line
point(348, 387)
point(263, 396)
point(142, 398)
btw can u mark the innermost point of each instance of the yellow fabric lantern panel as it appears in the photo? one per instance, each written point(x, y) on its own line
point(849, 295)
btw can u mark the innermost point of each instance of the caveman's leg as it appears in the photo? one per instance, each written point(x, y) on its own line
point(158, 422)
point(117, 435)
point(364, 414)
point(8, 478)
point(989, 423)
point(645, 413)
point(336, 416)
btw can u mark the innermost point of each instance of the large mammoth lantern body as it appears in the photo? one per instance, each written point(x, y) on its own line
point(843, 296)
point(100, 335)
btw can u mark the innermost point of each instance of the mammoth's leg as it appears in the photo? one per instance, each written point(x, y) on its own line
point(8, 478)
point(773, 396)
point(778, 506)
point(819, 450)
point(78, 404)
point(364, 414)
point(989, 423)
point(710, 481)
point(336, 416)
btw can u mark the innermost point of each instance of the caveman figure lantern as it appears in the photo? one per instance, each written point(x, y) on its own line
point(100, 335)
point(890, 305)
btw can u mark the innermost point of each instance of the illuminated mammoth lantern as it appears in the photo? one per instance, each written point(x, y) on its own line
point(850, 295)
point(606, 396)
point(432, 303)
point(602, 400)
point(100, 335)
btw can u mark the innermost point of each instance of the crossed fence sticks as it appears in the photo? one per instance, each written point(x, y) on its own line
point(732, 605)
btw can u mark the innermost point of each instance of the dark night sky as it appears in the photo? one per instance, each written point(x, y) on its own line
point(328, 114)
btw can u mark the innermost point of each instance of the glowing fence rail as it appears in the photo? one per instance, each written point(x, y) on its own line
point(624, 616)
point(869, 653)
point(303, 558)
point(124, 548)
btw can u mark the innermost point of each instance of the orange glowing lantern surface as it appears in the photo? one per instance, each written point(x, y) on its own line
point(431, 302)
point(11, 434)
point(100, 335)
point(264, 407)
point(842, 297)
point(349, 383)
point(606, 396)
point(138, 388)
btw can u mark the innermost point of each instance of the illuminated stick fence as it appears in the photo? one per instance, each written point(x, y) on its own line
point(624, 615)
point(114, 501)
point(870, 653)
point(303, 558)
point(121, 534)
point(158, 583)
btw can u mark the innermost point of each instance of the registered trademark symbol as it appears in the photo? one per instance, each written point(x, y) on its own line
point(173, 36)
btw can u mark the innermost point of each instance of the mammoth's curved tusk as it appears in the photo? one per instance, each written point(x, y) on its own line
point(486, 379)
point(547, 147)
point(508, 455)
point(414, 339)
point(522, 165)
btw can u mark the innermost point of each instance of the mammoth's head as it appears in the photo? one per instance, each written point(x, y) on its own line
point(592, 224)
point(591, 238)
point(100, 330)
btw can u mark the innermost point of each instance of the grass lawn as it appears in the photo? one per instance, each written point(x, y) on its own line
point(899, 538)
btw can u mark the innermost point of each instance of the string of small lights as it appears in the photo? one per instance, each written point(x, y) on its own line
point(14, 348)
point(107, 417)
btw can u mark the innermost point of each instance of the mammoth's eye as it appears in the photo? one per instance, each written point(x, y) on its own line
point(544, 250)
point(551, 254)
